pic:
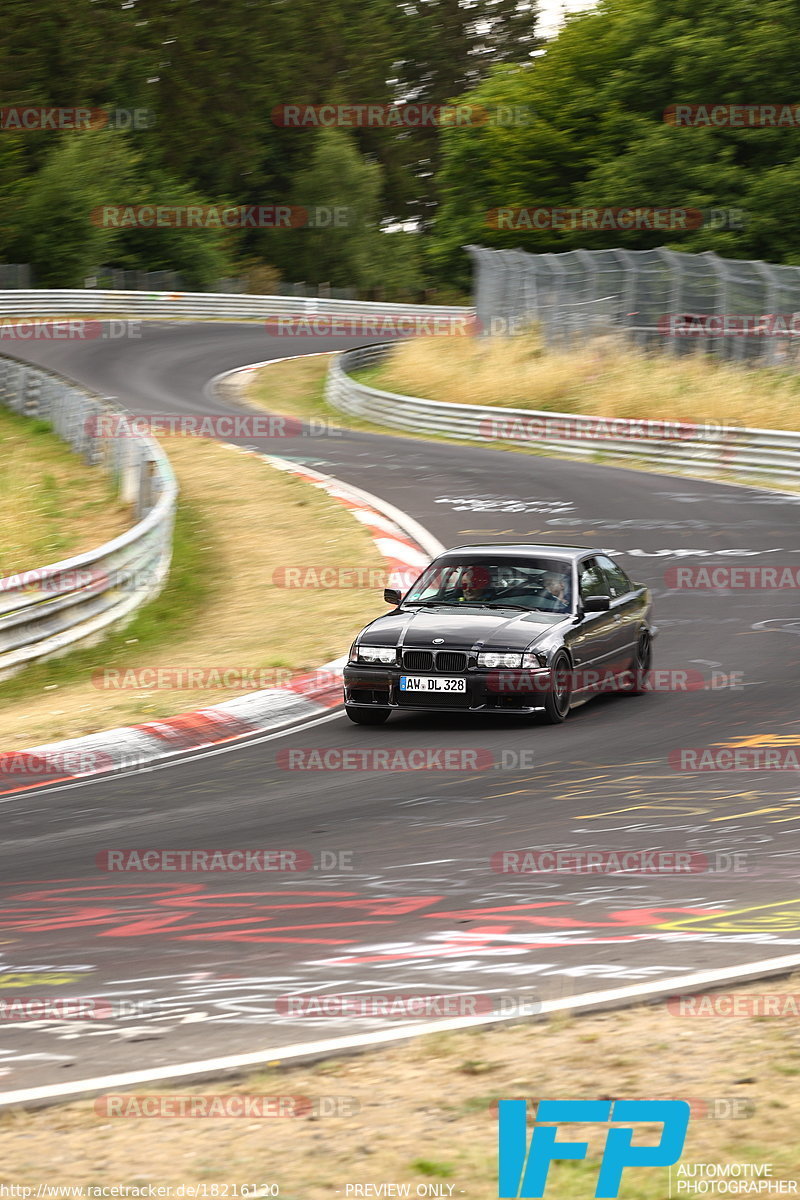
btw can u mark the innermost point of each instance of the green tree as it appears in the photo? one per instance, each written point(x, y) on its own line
point(58, 235)
point(13, 188)
point(342, 182)
point(213, 74)
point(71, 53)
point(65, 235)
point(599, 137)
point(201, 256)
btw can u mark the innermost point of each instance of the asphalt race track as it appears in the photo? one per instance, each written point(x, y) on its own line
point(417, 906)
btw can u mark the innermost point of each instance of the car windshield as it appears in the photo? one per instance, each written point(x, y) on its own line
point(531, 584)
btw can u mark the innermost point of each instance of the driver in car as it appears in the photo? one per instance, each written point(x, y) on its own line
point(476, 585)
point(554, 596)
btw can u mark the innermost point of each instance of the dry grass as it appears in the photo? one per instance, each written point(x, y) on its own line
point(252, 520)
point(426, 1110)
point(296, 388)
point(604, 378)
point(52, 505)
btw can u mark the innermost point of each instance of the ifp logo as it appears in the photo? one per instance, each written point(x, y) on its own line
point(522, 1171)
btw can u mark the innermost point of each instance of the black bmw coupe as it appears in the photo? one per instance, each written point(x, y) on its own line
point(508, 628)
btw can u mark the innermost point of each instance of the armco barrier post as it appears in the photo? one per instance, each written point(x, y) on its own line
point(32, 387)
point(17, 387)
point(129, 474)
point(147, 483)
point(92, 450)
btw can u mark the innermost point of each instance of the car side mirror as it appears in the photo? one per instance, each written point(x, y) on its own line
point(392, 595)
point(597, 604)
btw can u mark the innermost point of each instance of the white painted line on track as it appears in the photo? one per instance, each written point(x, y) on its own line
point(295, 1054)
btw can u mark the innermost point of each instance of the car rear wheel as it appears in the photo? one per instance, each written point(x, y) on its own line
point(367, 716)
point(559, 694)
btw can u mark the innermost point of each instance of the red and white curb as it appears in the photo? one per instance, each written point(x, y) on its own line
point(405, 545)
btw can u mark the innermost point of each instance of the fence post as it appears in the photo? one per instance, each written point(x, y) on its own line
point(31, 392)
point(129, 472)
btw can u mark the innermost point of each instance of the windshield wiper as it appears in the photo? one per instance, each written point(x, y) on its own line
point(465, 604)
point(502, 604)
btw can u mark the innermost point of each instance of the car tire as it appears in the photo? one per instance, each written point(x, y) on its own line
point(367, 716)
point(557, 703)
point(642, 665)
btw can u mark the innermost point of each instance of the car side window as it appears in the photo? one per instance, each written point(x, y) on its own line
point(592, 580)
point(618, 581)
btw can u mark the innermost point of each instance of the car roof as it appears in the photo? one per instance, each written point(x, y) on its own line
point(517, 549)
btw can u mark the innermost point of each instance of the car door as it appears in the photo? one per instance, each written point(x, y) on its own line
point(593, 642)
point(626, 610)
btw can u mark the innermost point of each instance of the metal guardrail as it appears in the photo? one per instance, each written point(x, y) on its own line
point(730, 450)
point(201, 306)
point(45, 611)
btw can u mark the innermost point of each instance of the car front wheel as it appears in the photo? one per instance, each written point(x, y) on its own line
point(556, 705)
point(367, 716)
point(642, 666)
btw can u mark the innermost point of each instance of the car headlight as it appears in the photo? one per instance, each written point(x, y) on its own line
point(499, 660)
point(377, 654)
point(534, 658)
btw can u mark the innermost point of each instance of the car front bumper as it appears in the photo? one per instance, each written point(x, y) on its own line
point(495, 691)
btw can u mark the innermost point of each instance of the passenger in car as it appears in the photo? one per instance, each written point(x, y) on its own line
point(554, 596)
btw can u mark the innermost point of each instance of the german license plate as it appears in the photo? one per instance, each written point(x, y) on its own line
point(431, 683)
